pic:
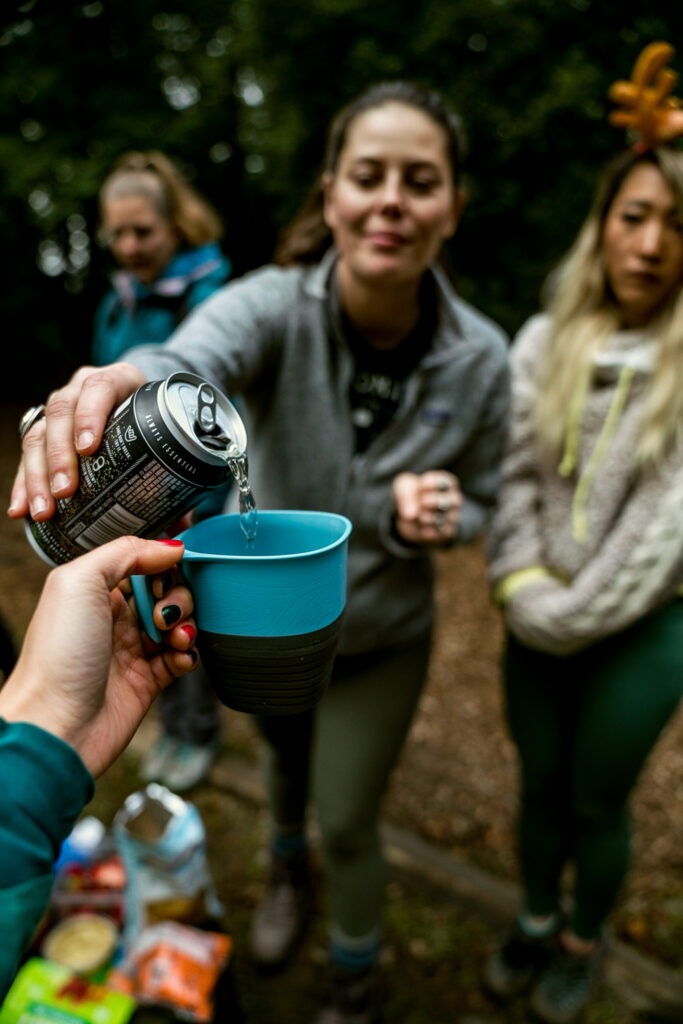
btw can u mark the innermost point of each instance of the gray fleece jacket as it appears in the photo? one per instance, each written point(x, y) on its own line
point(269, 338)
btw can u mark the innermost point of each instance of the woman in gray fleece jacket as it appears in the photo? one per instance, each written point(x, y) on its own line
point(586, 559)
point(367, 388)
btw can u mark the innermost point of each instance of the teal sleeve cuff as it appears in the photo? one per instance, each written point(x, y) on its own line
point(21, 909)
point(44, 786)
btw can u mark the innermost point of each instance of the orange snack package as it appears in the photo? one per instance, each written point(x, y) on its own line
point(176, 966)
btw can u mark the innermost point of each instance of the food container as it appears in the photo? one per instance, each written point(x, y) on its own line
point(82, 942)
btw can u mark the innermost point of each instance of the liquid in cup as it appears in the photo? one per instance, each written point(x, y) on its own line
point(269, 612)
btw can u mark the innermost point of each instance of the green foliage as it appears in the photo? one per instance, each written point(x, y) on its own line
point(241, 91)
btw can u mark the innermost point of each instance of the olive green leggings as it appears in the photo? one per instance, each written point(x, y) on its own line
point(348, 746)
point(584, 725)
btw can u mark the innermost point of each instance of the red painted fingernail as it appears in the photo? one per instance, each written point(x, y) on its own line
point(190, 632)
point(171, 541)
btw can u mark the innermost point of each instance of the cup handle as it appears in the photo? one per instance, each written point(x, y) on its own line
point(144, 602)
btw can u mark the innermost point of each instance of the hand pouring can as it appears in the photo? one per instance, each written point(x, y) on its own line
point(161, 450)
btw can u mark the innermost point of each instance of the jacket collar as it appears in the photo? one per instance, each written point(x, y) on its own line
point(186, 267)
point(449, 327)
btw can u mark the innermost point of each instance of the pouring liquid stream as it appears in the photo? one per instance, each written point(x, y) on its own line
point(248, 513)
point(211, 435)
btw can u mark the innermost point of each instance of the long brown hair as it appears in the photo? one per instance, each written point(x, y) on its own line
point(308, 236)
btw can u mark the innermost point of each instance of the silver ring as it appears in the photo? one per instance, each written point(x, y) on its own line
point(444, 505)
point(444, 483)
point(29, 418)
point(440, 520)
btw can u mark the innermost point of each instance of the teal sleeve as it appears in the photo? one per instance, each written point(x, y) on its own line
point(44, 786)
point(21, 908)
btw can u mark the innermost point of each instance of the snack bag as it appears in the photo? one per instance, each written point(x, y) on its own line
point(162, 841)
point(45, 992)
point(172, 965)
point(89, 874)
point(98, 886)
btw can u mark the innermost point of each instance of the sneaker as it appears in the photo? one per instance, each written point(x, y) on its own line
point(352, 998)
point(189, 764)
point(160, 755)
point(513, 966)
point(283, 914)
point(566, 986)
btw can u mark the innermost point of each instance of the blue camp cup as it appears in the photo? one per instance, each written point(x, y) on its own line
point(268, 611)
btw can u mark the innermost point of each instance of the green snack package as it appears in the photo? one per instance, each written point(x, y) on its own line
point(46, 993)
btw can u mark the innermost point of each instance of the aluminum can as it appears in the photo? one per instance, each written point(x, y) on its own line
point(162, 450)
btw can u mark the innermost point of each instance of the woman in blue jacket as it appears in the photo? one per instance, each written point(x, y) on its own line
point(164, 236)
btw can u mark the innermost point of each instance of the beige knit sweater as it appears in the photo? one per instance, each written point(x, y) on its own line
point(575, 558)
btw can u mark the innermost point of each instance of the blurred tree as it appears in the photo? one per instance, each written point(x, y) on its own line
point(81, 84)
point(241, 91)
point(530, 78)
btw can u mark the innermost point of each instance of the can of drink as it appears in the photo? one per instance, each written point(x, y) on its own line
point(161, 450)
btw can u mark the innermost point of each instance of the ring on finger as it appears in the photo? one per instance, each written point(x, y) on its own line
point(29, 418)
point(440, 520)
point(444, 505)
point(444, 483)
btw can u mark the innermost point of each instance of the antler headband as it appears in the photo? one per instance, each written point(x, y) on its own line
point(647, 108)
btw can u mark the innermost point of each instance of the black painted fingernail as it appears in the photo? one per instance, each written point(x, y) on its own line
point(171, 613)
point(166, 582)
point(193, 654)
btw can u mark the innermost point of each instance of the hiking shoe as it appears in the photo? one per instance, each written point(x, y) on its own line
point(352, 998)
point(513, 966)
point(189, 764)
point(566, 986)
point(160, 755)
point(283, 914)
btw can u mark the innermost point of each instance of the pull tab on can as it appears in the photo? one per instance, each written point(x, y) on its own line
point(208, 430)
point(206, 408)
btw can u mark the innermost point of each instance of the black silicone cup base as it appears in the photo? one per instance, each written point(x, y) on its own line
point(266, 675)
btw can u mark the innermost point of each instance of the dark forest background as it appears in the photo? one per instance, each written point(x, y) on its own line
point(240, 93)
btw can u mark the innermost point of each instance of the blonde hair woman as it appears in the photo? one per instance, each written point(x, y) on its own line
point(164, 237)
point(587, 556)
